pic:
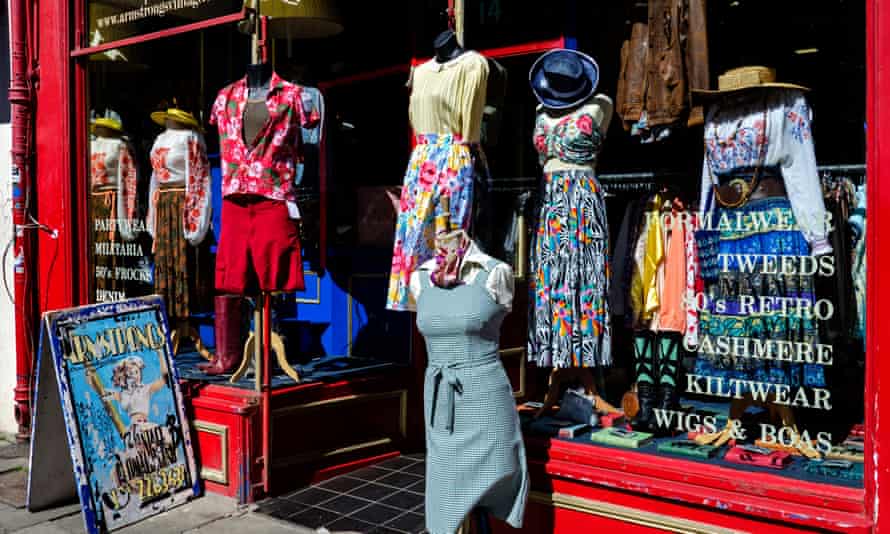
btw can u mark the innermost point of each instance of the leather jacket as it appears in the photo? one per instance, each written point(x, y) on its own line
point(665, 57)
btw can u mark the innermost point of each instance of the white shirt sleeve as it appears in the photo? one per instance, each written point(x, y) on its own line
point(500, 285)
point(798, 163)
point(414, 285)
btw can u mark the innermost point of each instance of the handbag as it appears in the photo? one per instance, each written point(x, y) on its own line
point(576, 407)
point(758, 456)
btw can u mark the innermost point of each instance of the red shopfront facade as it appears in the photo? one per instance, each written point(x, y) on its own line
point(575, 488)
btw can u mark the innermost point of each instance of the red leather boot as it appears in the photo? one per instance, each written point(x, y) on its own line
point(227, 326)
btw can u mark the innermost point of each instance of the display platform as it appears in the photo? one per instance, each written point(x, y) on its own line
point(368, 398)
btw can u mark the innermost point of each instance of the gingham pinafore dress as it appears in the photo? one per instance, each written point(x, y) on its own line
point(475, 455)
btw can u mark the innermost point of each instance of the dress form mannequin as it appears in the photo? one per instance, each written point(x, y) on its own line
point(787, 182)
point(461, 301)
point(600, 107)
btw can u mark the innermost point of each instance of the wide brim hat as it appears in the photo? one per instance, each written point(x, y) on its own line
point(105, 122)
point(178, 115)
point(578, 72)
point(748, 78)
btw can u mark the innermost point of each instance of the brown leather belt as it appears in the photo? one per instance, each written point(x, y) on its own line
point(769, 187)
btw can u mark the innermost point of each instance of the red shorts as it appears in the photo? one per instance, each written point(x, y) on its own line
point(259, 247)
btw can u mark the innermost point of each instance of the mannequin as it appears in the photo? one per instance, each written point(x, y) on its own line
point(113, 187)
point(473, 433)
point(447, 47)
point(179, 215)
point(445, 108)
point(259, 250)
point(569, 324)
point(774, 179)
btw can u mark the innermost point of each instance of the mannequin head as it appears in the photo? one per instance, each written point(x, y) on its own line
point(446, 46)
point(104, 131)
point(171, 124)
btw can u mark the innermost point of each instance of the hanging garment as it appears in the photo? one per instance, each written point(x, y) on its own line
point(792, 226)
point(475, 452)
point(859, 224)
point(179, 219)
point(113, 191)
point(664, 58)
point(570, 323)
point(254, 173)
point(446, 106)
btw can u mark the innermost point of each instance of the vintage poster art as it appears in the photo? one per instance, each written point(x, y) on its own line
point(123, 413)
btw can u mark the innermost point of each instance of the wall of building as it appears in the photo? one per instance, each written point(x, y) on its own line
point(7, 308)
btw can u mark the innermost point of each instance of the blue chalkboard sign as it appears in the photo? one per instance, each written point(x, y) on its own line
point(106, 380)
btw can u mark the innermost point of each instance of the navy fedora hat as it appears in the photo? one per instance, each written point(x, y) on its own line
point(563, 78)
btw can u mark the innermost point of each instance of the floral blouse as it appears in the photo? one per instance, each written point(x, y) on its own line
point(179, 158)
point(267, 166)
point(575, 138)
point(734, 136)
point(112, 169)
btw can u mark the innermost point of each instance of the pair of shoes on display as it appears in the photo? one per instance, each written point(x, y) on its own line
point(657, 366)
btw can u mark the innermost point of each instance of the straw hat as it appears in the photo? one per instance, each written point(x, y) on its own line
point(110, 120)
point(746, 78)
point(178, 115)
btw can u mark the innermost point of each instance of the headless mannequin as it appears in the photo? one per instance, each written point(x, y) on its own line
point(779, 413)
point(256, 113)
point(600, 106)
point(447, 47)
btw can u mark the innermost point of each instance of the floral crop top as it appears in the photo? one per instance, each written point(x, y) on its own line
point(576, 138)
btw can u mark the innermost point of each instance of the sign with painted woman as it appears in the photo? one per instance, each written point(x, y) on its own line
point(106, 380)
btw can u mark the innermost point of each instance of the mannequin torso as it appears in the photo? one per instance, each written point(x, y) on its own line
point(599, 107)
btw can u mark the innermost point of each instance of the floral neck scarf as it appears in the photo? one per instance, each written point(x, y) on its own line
point(450, 251)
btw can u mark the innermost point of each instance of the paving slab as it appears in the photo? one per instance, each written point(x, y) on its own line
point(13, 519)
point(251, 522)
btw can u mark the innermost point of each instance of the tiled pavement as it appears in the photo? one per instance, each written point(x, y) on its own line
point(386, 498)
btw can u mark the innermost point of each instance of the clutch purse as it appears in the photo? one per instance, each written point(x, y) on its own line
point(758, 456)
point(619, 437)
point(685, 447)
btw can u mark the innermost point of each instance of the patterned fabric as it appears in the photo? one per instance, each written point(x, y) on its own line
point(570, 325)
point(267, 167)
point(576, 138)
point(773, 233)
point(473, 437)
point(449, 258)
point(440, 166)
point(690, 334)
point(179, 159)
point(734, 139)
point(180, 269)
point(112, 168)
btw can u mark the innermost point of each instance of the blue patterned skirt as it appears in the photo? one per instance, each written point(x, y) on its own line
point(733, 257)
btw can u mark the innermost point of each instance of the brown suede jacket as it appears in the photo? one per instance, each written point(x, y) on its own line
point(665, 57)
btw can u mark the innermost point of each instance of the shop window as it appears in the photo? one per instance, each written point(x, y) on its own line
point(774, 382)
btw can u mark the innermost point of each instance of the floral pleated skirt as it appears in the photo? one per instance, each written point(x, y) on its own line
point(440, 166)
point(569, 324)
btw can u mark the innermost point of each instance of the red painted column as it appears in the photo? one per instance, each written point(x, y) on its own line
point(21, 104)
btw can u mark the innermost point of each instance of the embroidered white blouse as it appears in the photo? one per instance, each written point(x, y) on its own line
point(499, 283)
point(734, 135)
point(179, 159)
point(112, 169)
point(136, 400)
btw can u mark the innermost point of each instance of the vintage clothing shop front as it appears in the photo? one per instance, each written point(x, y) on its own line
point(676, 249)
